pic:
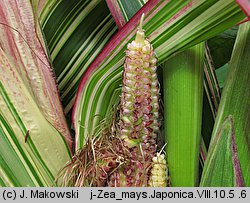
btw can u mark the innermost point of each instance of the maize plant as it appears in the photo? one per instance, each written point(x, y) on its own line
point(135, 93)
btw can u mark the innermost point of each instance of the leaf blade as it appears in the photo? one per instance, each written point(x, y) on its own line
point(232, 103)
point(76, 32)
point(23, 43)
point(245, 6)
point(38, 157)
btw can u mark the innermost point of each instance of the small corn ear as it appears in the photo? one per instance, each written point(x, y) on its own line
point(139, 111)
point(140, 93)
point(158, 173)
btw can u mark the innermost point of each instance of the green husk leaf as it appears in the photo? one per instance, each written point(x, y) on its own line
point(183, 93)
point(219, 170)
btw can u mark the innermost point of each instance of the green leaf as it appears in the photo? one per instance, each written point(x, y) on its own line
point(76, 32)
point(221, 74)
point(22, 43)
point(203, 153)
point(221, 46)
point(235, 102)
point(219, 167)
point(210, 81)
point(183, 93)
point(170, 26)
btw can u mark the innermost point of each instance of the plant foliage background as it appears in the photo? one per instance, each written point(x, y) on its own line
point(61, 74)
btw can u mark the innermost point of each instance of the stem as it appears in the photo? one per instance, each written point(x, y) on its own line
point(183, 91)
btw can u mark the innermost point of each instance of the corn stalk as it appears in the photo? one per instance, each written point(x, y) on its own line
point(183, 93)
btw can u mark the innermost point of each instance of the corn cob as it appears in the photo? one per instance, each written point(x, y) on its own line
point(158, 173)
point(139, 112)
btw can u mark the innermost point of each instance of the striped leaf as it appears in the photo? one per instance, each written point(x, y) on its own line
point(76, 31)
point(33, 130)
point(170, 26)
point(235, 102)
point(22, 42)
point(32, 150)
point(123, 10)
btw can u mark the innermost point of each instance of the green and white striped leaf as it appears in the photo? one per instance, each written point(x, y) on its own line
point(22, 42)
point(34, 136)
point(170, 26)
point(76, 31)
point(32, 150)
point(123, 10)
